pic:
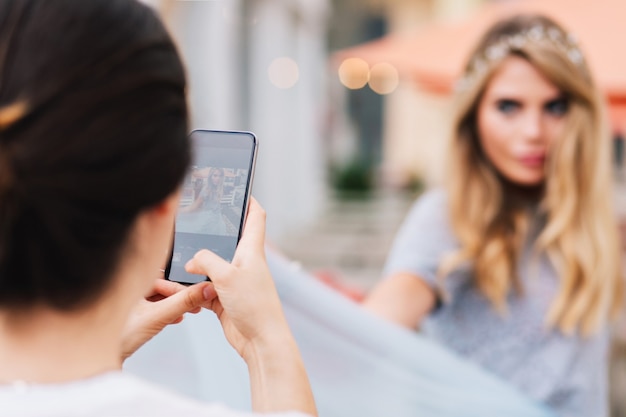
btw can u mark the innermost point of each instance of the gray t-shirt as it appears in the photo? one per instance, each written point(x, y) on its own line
point(567, 373)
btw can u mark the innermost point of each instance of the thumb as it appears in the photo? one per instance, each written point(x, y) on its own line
point(253, 235)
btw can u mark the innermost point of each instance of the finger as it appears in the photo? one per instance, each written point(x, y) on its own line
point(155, 297)
point(205, 262)
point(189, 299)
point(166, 288)
point(254, 230)
point(216, 307)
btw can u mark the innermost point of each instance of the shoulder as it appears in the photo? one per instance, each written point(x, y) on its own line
point(429, 212)
point(433, 198)
point(424, 237)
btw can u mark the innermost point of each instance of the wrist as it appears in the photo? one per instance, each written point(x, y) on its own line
point(264, 350)
point(278, 379)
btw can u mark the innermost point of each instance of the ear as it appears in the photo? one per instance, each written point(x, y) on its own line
point(168, 206)
point(151, 239)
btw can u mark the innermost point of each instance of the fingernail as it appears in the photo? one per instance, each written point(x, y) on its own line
point(206, 292)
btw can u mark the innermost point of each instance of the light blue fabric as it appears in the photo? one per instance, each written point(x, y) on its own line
point(359, 365)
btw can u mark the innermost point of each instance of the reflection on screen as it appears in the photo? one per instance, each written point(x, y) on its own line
point(212, 201)
point(211, 207)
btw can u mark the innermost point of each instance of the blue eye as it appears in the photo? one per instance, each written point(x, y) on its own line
point(557, 107)
point(507, 106)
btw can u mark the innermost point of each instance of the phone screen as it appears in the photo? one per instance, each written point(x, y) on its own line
point(214, 199)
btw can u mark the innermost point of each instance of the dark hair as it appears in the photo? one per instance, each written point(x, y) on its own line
point(93, 130)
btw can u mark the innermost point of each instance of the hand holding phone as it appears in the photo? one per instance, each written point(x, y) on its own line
point(214, 199)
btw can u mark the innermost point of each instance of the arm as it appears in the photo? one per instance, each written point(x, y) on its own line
point(409, 291)
point(278, 379)
point(251, 315)
point(402, 298)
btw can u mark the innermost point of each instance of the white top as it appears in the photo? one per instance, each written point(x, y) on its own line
point(114, 394)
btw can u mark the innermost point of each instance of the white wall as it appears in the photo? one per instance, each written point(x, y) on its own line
point(289, 121)
point(208, 36)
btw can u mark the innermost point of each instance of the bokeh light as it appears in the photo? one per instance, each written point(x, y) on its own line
point(283, 72)
point(384, 78)
point(354, 73)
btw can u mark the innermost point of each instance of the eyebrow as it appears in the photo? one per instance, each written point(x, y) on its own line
point(561, 96)
point(520, 101)
point(507, 95)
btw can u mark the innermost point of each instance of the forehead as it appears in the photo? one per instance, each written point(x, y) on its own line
point(518, 78)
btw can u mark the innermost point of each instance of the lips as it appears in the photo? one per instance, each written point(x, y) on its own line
point(533, 161)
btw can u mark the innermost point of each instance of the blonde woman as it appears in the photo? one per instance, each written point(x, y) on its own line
point(515, 265)
point(204, 214)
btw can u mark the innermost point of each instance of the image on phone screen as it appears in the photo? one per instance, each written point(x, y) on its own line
point(214, 199)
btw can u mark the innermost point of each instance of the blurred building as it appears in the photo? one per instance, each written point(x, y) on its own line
point(263, 65)
point(400, 129)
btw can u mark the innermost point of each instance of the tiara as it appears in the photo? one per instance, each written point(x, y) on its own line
point(505, 45)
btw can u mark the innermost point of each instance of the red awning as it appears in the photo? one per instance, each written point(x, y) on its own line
point(434, 56)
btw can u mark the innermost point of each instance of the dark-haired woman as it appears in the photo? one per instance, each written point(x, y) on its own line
point(91, 99)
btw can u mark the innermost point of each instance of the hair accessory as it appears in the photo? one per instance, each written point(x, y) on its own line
point(11, 114)
point(505, 45)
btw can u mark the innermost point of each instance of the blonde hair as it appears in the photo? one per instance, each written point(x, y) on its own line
point(215, 192)
point(580, 234)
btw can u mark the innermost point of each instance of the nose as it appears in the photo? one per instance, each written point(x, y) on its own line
point(533, 126)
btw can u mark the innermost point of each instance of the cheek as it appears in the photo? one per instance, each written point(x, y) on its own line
point(494, 134)
point(555, 128)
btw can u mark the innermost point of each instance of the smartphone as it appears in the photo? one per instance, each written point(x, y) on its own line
point(214, 199)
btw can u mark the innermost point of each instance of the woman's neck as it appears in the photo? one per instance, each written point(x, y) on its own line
point(522, 196)
point(47, 346)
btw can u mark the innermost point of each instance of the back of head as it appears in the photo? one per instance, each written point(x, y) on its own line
point(93, 130)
